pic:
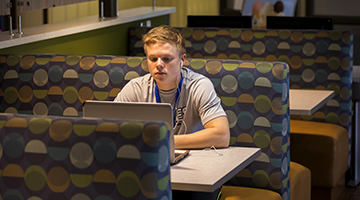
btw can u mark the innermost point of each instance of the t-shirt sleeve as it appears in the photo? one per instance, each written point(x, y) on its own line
point(128, 94)
point(208, 103)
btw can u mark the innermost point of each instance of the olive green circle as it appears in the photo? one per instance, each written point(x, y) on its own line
point(260, 178)
point(261, 139)
point(39, 125)
point(131, 130)
point(35, 178)
point(70, 94)
point(10, 95)
point(334, 63)
point(262, 104)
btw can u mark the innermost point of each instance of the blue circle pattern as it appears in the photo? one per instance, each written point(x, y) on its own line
point(246, 80)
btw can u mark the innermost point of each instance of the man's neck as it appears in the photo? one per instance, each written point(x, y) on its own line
point(168, 87)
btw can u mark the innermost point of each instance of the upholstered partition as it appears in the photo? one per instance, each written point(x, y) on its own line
point(253, 94)
point(255, 98)
point(317, 59)
point(50, 157)
point(58, 85)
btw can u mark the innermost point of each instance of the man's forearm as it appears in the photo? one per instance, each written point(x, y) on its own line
point(216, 133)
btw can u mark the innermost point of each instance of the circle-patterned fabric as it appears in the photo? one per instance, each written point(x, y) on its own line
point(318, 59)
point(253, 94)
point(59, 84)
point(68, 158)
point(255, 98)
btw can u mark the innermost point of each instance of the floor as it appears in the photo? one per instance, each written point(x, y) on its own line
point(350, 193)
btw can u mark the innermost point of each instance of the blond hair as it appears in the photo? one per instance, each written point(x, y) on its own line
point(164, 34)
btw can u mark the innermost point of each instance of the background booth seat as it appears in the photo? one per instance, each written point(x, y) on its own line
point(254, 95)
point(54, 157)
point(318, 59)
point(328, 169)
point(300, 179)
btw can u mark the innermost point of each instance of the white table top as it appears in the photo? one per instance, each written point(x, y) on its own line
point(307, 102)
point(205, 170)
point(54, 30)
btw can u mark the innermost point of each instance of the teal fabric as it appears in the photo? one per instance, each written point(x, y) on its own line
point(51, 157)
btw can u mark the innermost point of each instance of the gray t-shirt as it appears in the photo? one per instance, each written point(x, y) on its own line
point(197, 103)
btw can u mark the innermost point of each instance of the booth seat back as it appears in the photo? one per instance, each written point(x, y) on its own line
point(51, 157)
point(318, 59)
point(253, 94)
point(42, 84)
point(255, 98)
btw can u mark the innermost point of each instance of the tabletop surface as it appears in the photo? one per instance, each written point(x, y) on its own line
point(307, 102)
point(206, 170)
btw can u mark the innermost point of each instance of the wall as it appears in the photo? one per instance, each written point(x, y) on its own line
point(301, 8)
point(177, 19)
point(72, 11)
point(75, 11)
point(32, 18)
point(106, 41)
point(301, 11)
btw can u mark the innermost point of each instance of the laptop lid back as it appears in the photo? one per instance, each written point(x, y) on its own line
point(133, 111)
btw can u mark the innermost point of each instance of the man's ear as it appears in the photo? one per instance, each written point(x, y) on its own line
point(182, 59)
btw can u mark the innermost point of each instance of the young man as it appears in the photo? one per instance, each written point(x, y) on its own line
point(200, 121)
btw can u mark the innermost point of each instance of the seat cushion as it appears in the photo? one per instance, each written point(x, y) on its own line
point(321, 147)
point(300, 187)
point(300, 182)
point(246, 193)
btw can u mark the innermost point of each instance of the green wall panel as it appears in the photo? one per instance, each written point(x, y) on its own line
point(106, 41)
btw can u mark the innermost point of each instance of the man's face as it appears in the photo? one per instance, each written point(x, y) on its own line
point(164, 64)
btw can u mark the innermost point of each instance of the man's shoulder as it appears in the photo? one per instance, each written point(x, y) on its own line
point(191, 75)
point(142, 80)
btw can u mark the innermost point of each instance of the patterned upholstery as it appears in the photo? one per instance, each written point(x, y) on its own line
point(317, 59)
point(59, 84)
point(254, 96)
point(51, 157)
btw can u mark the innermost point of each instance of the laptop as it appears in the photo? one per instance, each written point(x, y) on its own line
point(136, 111)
